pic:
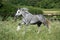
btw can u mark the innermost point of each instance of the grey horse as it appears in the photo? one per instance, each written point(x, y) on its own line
point(29, 18)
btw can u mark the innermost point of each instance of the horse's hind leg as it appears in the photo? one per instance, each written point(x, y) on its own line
point(39, 27)
point(18, 27)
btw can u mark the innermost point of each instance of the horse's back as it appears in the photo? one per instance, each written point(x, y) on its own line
point(36, 18)
point(41, 18)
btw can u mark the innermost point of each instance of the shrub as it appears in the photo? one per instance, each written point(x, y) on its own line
point(35, 11)
point(10, 10)
point(7, 10)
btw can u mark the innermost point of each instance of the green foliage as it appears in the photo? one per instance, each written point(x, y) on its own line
point(1, 3)
point(10, 10)
point(8, 31)
point(37, 3)
point(9, 7)
point(35, 10)
point(48, 4)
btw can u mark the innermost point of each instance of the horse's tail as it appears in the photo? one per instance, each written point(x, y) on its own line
point(48, 22)
point(49, 26)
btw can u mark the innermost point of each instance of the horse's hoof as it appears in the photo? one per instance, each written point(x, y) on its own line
point(38, 32)
point(18, 28)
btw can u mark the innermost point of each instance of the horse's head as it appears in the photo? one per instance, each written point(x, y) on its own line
point(20, 12)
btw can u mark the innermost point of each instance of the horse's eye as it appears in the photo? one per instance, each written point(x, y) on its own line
point(18, 12)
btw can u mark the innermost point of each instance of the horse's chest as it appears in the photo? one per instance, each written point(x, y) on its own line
point(27, 18)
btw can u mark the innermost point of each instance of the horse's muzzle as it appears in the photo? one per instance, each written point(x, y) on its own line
point(15, 18)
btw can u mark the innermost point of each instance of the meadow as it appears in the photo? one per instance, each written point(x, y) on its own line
point(8, 31)
point(8, 27)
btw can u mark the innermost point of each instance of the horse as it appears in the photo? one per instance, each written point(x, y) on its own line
point(28, 18)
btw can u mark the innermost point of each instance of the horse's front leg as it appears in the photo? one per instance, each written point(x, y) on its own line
point(19, 26)
point(26, 27)
point(39, 29)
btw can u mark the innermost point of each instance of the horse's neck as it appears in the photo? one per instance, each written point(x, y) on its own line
point(26, 13)
point(23, 14)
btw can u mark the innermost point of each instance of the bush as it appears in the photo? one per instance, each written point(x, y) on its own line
point(7, 10)
point(10, 10)
point(35, 11)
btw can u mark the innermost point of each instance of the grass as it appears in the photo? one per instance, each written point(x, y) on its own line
point(8, 31)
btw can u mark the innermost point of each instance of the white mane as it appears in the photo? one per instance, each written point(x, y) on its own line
point(24, 9)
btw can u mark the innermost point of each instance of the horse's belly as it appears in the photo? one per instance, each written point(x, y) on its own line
point(32, 22)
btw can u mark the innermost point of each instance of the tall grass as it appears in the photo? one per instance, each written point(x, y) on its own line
point(8, 31)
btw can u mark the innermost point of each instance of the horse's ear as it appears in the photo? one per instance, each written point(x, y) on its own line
point(18, 8)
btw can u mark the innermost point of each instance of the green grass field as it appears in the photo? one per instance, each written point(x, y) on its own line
point(8, 31)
